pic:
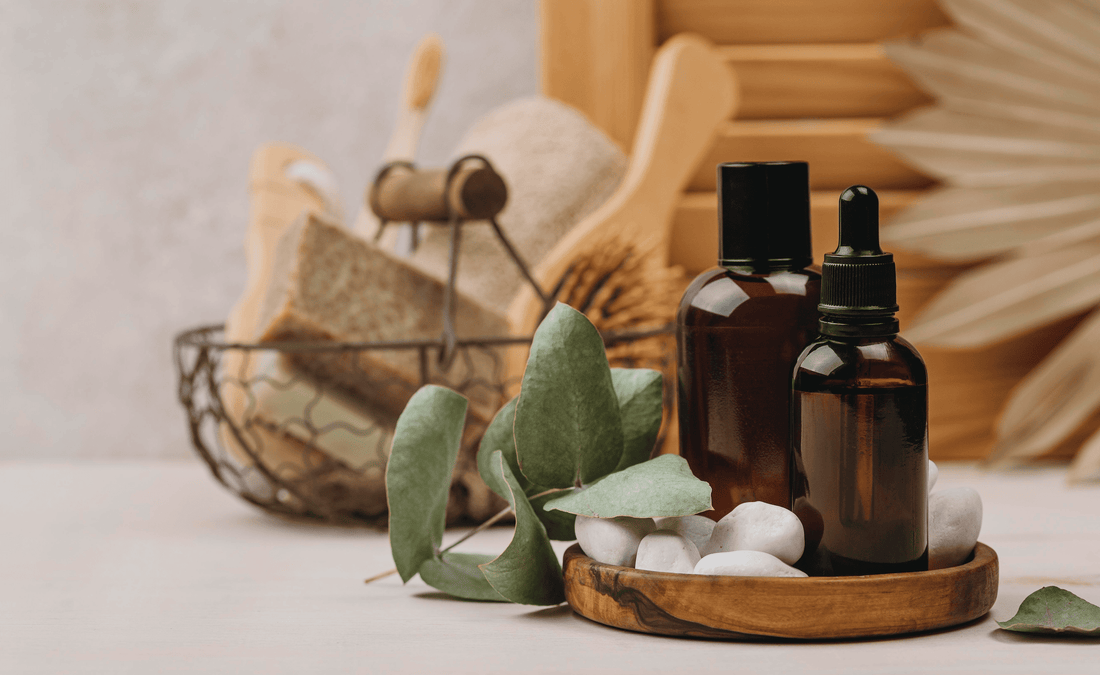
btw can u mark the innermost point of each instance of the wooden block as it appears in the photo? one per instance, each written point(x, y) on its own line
point(793, 21)
point(839, 153)
point(595, 56)
point(820, 80)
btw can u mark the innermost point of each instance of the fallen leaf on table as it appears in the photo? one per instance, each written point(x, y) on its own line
point(1055, 611)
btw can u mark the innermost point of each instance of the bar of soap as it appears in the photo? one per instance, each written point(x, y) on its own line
point(933, 474)
point(696, 528)
point(954, 522)
point(759, 526)
point(613, 541)
point(746, 564)
point(667, 551)
point(329, 284)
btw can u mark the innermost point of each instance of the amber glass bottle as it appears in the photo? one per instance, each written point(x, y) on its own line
point(860, 416)
point(740, 328)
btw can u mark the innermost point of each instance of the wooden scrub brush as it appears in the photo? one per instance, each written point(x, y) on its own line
point(613, 266)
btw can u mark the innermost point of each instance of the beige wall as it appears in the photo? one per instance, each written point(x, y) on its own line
point(126, 129)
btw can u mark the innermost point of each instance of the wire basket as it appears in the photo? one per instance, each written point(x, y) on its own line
point(282, 456)
point(303, 429)
point(287, 466)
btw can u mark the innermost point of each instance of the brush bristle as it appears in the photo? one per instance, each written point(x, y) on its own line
point(620, 287)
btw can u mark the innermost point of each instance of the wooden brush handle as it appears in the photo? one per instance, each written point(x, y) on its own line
point(412, 195)
point(690, 93)
point(423, 73)
point(420, 82)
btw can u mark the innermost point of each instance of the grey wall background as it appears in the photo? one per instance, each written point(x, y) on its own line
point(126, 128)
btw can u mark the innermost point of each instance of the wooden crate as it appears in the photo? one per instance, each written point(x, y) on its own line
point(814, 82)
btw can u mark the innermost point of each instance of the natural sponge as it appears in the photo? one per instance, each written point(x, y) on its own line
point(558, 167)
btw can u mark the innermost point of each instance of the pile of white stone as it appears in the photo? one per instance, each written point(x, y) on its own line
point(759, 539)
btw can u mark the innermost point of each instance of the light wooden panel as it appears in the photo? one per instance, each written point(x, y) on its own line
point(821, 80)
point(796, 21)
point(838, 151)
point(595, 56)
point(695, 227)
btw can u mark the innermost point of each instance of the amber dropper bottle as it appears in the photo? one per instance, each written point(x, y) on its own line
point(859, 415)
point(740, 328)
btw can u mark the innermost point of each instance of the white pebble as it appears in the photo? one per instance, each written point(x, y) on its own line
point(613, 541)
point(759, 526)
point(696, 528)
point(746, 564)
point(954, 521)
point(666, 551)
point(933, 474)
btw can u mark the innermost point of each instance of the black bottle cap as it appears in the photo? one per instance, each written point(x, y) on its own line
point(764, 214)
point(858, 280)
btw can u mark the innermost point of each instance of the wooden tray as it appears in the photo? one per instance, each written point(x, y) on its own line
point(754, 607)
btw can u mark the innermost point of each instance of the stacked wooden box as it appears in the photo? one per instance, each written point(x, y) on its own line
point(814, 83)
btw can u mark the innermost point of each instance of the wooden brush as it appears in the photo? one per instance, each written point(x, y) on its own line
point(613, 265)
point(622, 287)
point(421, 79)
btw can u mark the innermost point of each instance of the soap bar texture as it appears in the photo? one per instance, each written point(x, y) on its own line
point(613, 541)
point(330, 285)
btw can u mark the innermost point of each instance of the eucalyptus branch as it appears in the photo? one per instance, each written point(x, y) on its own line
point(487, 524)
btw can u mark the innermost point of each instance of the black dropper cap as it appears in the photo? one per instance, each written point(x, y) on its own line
point(764, 215)
point(858, 281)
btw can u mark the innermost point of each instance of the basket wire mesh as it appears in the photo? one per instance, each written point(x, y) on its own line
point(315, 464)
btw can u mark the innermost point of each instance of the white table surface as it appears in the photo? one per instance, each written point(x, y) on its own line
point(152, 567)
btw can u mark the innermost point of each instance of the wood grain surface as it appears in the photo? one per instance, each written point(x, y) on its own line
point(595, 56)
point(815, 608)
point(820, 80)
point(838, 151)
point(787, 21)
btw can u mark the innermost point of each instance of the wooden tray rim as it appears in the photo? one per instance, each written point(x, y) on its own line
point(982, 567)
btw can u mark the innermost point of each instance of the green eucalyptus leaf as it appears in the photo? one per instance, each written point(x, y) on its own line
point(641, 402)
point(527, 571)
point(418, 475)
point(663, 486)
point(1053, 610)
point(568, 425)
point(458, 574)
point(558, 524)
point(499, 437)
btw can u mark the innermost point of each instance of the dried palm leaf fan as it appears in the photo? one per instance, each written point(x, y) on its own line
point(613, 265)
point(1015, 137)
